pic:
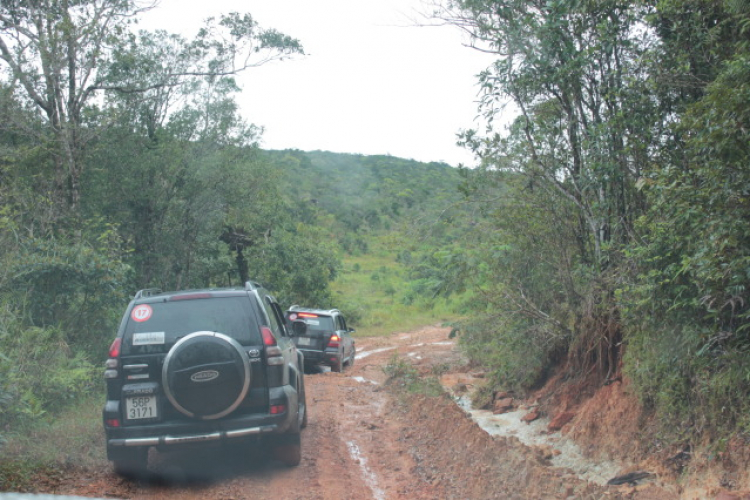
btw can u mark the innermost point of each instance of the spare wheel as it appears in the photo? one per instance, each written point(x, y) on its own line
point(206, 375)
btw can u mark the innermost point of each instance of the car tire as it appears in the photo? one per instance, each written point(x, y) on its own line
point(288, 449)
point(131, 463)
point(337, 366)
point(303, 424)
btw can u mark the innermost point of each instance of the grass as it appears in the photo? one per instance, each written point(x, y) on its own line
point(73, 439)
point(404, 378)
point(373, 291)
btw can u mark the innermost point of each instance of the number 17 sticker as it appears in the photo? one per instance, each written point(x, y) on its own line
point(141, 313)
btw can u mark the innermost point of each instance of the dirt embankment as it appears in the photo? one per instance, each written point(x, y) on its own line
point(365, 442)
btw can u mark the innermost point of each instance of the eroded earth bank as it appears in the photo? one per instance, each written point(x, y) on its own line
point(368, 440)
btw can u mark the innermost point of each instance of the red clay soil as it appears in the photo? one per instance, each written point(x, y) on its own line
point(368, 441)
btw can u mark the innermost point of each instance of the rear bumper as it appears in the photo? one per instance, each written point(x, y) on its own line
point(174, 433)
point(169, 440)
point(318, 357)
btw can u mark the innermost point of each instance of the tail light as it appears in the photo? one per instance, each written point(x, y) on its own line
point(334, 340)
point(112, 422)
point(273, 353)
point(268, 338)
point(113, 363)
point(114, 349)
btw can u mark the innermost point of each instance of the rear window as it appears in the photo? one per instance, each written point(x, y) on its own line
point(314, 323)
point(155, 327)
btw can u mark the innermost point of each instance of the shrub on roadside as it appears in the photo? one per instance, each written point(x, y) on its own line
point(41, 375)
point(404, 377)
point(514, 360)
point(690, 383)
point(47, 449)
point(76, 286)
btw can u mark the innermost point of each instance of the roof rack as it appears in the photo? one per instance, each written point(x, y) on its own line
point(252, 285)
point(318, 309)
point(147, 292)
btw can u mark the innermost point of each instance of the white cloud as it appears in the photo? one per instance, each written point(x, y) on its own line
point(372, 82)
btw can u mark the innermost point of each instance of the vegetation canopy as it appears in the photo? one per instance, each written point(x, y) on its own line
point(604, 229)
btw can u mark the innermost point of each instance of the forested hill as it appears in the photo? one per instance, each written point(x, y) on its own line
point(367, 191)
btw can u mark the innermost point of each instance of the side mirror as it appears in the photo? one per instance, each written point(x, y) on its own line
point(298, 328)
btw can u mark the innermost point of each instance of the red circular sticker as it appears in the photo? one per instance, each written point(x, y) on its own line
point(293, 316)
point(141, 313)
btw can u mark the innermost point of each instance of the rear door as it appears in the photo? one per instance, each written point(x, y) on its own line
point(276, 317)
point(152, 329)
point(345, 335)
point(318, 333)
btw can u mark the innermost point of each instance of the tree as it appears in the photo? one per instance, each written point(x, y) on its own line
point(687, 299)
point(575, 73)
point(53, 51)
point(61, 55)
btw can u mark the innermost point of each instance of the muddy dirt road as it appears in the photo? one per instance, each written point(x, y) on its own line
point(364, 442)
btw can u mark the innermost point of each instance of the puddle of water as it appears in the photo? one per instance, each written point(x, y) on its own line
point(363, 380)
point(369, 475)
point(364, 354)
point(534, 434)
point(442, 342)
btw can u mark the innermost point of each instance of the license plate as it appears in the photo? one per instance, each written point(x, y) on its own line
point(303, 341)
point(140, 407)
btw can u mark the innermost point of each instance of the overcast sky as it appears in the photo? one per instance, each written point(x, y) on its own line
point(372, 82)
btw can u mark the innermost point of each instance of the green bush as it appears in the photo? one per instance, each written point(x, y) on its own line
point(41, 375)
point(517, 353)
point(404, 377)
point(688, 383)
point(76, 287)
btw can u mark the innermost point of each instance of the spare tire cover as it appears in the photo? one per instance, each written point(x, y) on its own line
point(206, 375)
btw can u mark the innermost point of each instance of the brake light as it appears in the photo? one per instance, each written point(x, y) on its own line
point(268, 338)
point(114, 349)
point(191, 296)
point(307, 315)
point(334, 341)
point(112, 422)
point(277, 409)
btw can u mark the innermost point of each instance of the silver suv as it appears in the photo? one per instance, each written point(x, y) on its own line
point(203, 367)
point(325, 340)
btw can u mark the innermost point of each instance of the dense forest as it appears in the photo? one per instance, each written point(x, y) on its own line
point(605, 230)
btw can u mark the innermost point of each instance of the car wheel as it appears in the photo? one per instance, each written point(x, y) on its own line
point(131, 463)
point(303, 424)
point(288, 449)
point(337, 365)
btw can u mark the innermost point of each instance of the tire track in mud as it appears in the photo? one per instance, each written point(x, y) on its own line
point(362, 444)
point(350, 449)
